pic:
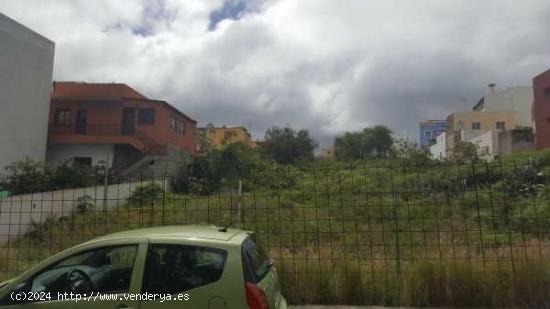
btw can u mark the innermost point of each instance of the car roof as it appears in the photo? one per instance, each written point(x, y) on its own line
point(178, 231)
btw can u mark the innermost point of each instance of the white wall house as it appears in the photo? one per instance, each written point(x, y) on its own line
point(512, 99)
point(26, 65)
point(439, 149)
point(487, 144)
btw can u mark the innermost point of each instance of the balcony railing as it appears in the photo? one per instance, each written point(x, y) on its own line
point(109, 129)
point(86, 129)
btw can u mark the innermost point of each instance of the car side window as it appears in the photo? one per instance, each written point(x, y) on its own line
point(171, 269)
point(102, 270)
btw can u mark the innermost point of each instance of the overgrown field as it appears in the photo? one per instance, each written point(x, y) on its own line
point(393, 233)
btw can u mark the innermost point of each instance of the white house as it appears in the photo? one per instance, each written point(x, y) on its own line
point(439, 149)
point(487, 143)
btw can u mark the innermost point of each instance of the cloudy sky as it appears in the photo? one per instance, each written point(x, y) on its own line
point(329, 66)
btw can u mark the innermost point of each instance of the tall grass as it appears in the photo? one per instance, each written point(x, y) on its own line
point(445, 236)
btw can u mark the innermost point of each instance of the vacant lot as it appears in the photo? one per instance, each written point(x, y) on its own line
point(369, 234)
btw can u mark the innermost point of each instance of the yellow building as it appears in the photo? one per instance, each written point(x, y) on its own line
point(327, 152)
point(218, 137)
point(475, 125)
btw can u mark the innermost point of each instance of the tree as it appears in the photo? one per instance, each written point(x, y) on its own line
point(465, 152)
point(288, 146)
point(205, 174)
point(204, 143)
point(410, 153)
point(235, 161)
point(381, 139)
point(375, 141)
point(402, 148)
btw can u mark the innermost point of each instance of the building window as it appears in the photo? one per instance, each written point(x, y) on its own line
point(501, 125)
point(476, 126)
point(63, 117)
point(83, 161)
point(146, 116)
point(173, 123)
point(181, 128)
point(547, 92)
point(428, 134)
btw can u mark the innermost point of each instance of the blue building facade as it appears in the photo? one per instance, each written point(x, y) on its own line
point(430, 130)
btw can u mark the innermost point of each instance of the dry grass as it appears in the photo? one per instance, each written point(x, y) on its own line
point(339, 255)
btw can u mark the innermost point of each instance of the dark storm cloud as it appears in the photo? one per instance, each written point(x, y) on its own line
point(401, 89)
point(323, 65)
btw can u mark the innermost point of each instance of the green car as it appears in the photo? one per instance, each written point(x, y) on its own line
point(164, 267)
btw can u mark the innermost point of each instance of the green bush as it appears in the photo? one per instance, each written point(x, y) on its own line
point(27, 176)
point(84, 204)
point(146, 194)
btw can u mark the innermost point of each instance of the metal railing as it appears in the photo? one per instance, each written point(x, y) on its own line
point(442, 235)
point(152, 147)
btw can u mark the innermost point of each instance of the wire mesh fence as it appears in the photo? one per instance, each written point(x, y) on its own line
point(444, 234)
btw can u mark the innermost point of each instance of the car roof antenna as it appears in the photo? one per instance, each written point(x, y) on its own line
point(224, 229)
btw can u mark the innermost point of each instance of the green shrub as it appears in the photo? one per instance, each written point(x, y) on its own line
point(27, 175)
point(84, 204)
point(146, 194)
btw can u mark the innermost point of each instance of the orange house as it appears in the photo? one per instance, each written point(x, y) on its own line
point(115, 125)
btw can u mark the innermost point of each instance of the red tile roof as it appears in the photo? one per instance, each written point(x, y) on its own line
point(93, 90)
point(101, 91)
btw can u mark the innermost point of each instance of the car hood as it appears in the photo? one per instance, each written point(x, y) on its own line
point(3, 284)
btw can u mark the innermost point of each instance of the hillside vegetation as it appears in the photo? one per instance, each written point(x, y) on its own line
point(383, 231)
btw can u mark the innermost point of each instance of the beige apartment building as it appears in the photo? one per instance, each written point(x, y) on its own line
point(479, 127)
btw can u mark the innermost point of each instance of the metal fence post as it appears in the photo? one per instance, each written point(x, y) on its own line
point(240, 216)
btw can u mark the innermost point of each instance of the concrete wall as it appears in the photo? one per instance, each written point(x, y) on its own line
point(57, 153)
point(439, 149)
point(487, 143)
point(541, 109)
point(17, 213)
point(513, 99)
point(164, 165)
point(516, 140)
point(26, 65)
point(460, 124)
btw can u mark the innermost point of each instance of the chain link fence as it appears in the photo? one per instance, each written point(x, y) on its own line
point(370, 233)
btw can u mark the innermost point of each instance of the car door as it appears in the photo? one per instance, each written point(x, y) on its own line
point(192, 275)
point(100, 275)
